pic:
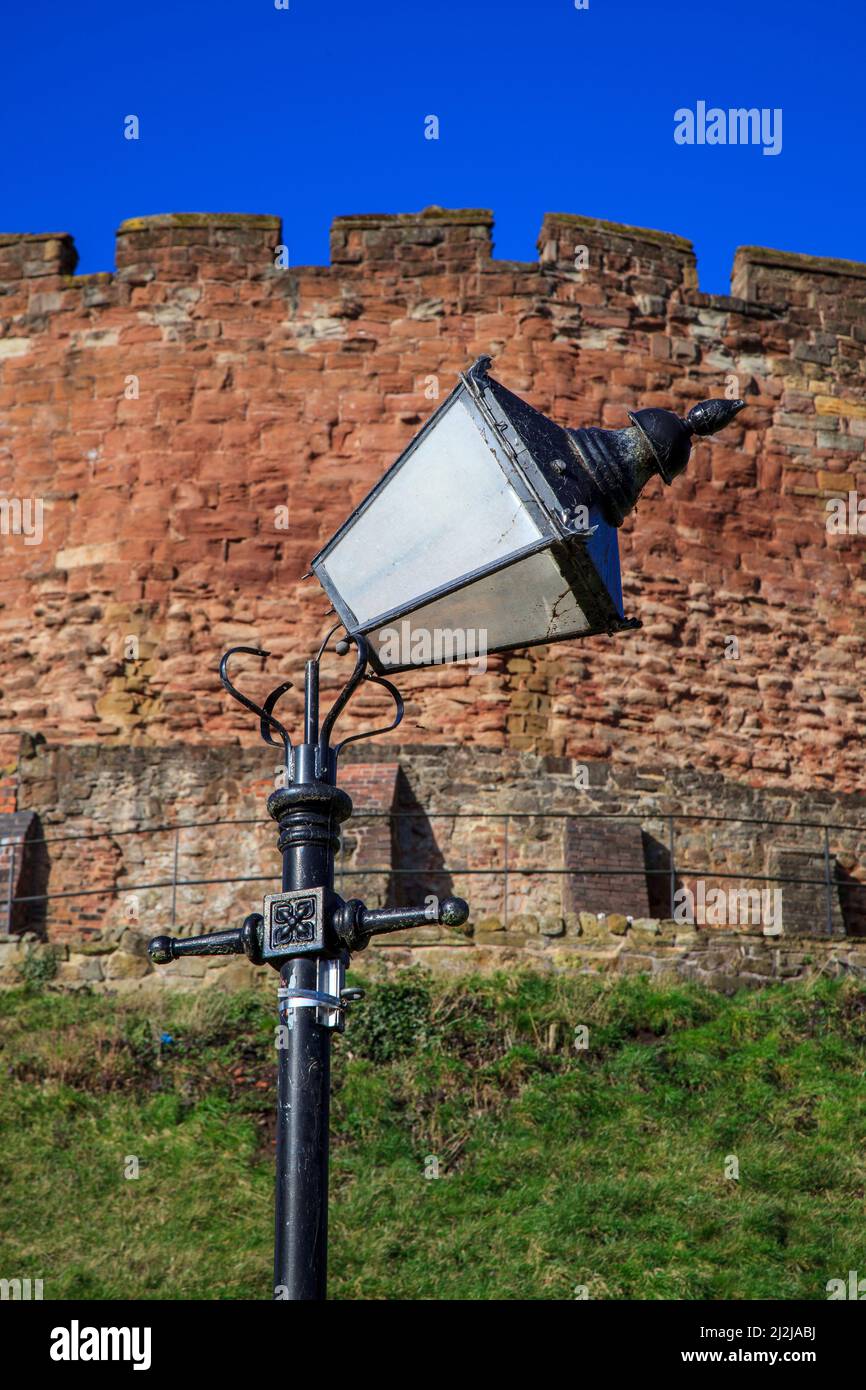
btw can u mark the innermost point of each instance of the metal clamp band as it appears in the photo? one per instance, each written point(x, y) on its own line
point(327, 999)
point(305, 998)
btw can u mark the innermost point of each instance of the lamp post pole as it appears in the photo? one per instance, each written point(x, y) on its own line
point(308, 813)
point(307, 933)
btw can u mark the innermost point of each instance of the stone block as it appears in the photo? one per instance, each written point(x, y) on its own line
point(617, 924)
point(552, 926)
point(123, 966)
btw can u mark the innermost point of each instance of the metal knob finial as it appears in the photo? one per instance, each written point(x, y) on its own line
point(709, 416)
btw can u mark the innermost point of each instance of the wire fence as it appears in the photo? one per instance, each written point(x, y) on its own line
point(675, 871)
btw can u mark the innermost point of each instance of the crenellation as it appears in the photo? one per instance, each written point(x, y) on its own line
point(28, 256)
point(257, 387)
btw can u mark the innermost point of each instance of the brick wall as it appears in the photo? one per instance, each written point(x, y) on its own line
point(462, 816)
point(803, 893)
point(616, 846)
point(9, 746)
point(165, 412)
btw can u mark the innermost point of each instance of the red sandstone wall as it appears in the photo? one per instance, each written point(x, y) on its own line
point(9, 749)
point(261, 387)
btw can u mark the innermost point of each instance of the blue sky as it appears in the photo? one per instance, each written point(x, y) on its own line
point(319, 110)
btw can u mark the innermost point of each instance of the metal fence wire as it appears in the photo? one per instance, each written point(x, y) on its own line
point(674, 871)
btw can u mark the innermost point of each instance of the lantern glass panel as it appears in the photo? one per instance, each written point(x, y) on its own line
point(528, 601)
point(567, 590)
point(447, 508)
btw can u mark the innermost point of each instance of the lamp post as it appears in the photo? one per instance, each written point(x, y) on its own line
point(306, 932)
point(496, 519)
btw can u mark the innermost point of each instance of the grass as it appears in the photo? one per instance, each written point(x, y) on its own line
point(604, 1170)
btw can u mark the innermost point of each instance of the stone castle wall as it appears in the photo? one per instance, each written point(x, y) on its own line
point(197, 422)
point(167, 411)
point(158, 832)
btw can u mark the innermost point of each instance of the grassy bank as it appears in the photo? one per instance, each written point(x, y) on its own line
point(605, 1168)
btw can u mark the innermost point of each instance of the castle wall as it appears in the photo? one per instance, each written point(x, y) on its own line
point(165, 412)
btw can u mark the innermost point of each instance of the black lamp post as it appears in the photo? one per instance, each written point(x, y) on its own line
point(493, 518)
point(307, 933)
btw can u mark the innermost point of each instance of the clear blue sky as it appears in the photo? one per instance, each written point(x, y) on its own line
point(319, 110)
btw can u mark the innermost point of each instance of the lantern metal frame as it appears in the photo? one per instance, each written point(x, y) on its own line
point(569, 545)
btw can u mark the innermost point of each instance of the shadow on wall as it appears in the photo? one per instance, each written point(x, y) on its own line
point(659, 889)
point(415, 849)
point(852, 902)
point(26, 869)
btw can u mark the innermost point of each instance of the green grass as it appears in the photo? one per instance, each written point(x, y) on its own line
point(560, 1169)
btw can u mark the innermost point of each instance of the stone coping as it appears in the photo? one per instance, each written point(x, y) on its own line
point(429, 214)
point(599, 224)
point(225, 220)
point(800, 262)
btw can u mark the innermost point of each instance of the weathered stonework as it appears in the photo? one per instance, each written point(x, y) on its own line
point(199, 420)
point(427, 819)
point(726, 961)
point(166, 412)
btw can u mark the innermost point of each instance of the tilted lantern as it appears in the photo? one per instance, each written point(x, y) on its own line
point(497, 521)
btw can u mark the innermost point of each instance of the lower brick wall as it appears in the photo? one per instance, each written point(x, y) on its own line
point(481, 824)
point(617, 845)
point(800, 896)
